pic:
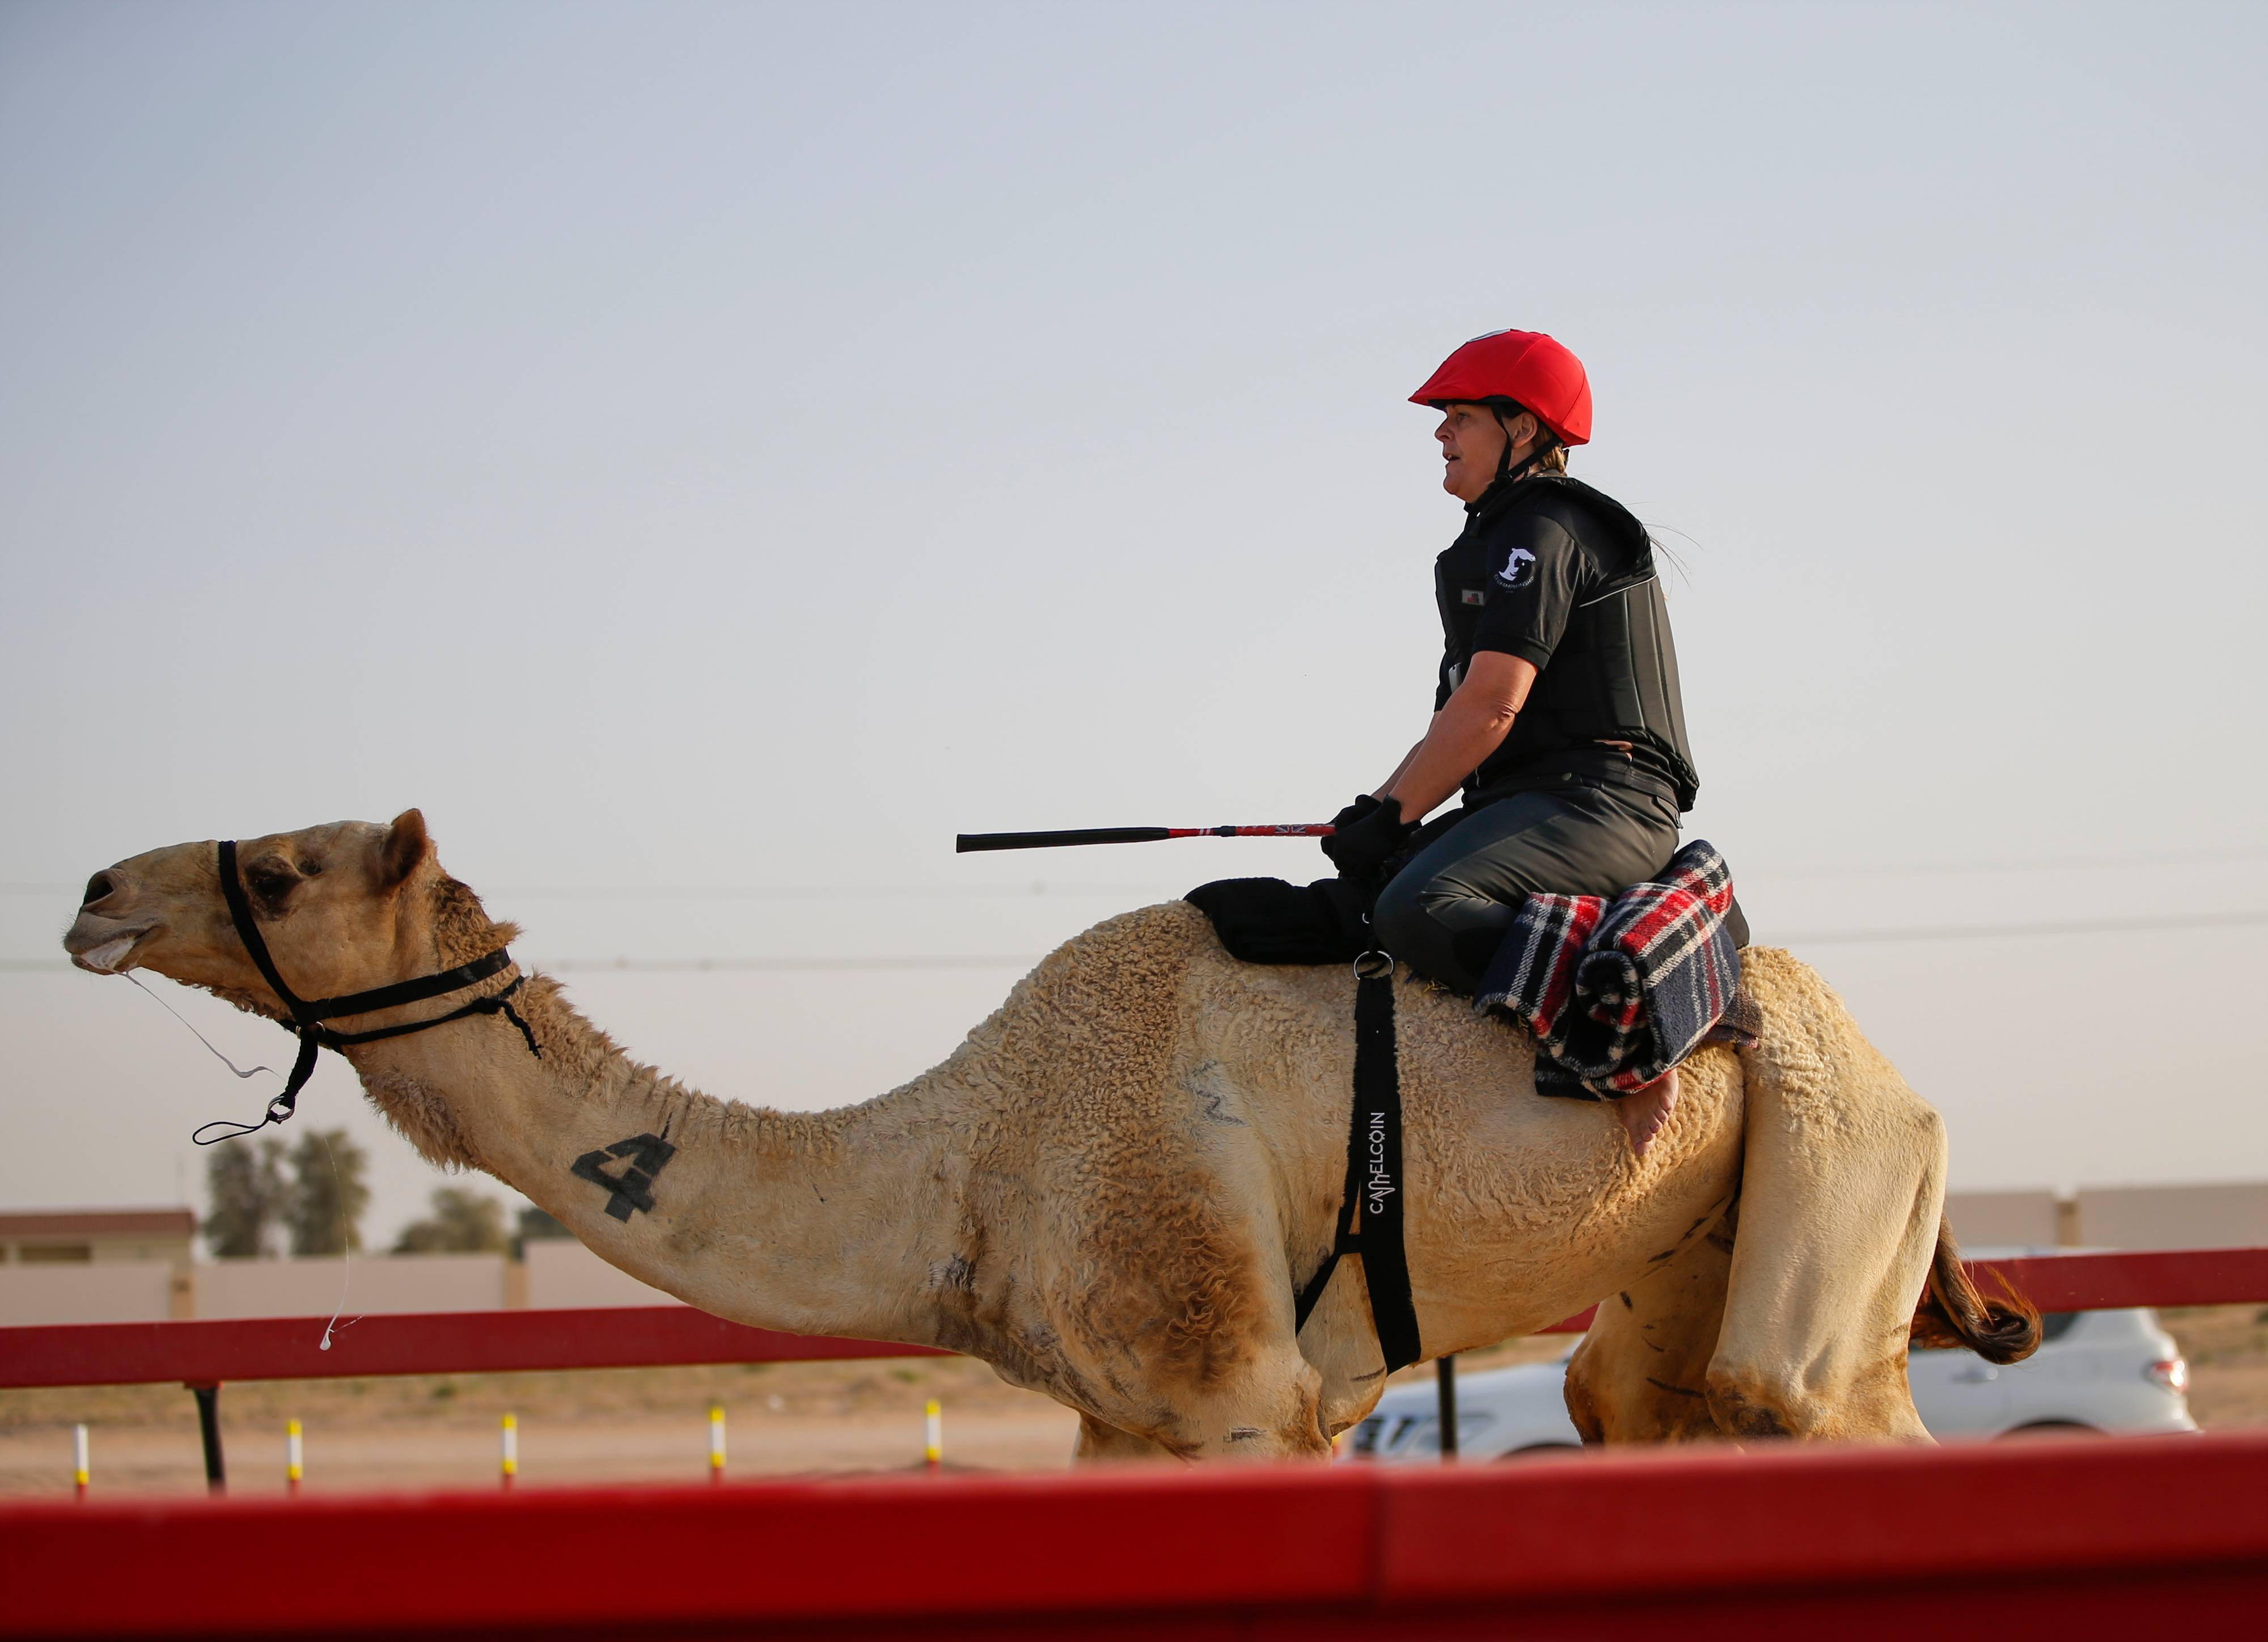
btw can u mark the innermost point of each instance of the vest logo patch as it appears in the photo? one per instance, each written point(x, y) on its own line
point(1476, 595)
point(1519, 569)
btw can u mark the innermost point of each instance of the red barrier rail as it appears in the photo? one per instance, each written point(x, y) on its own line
point(2147, 1536)
point(415, 1343)
point(494, 1342)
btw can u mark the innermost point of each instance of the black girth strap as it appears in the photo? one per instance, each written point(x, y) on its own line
point(306, 1015)
point(1369, 1223)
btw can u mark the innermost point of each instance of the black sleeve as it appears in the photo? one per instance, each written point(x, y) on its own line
point(1537, 575)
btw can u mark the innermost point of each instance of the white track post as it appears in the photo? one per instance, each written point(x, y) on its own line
point(508, 1454)
point(79, 1460)
point(293, 1469)
point(716, 1442)
point(933, 1450)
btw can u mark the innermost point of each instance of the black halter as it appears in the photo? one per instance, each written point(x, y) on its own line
point(306, 1015)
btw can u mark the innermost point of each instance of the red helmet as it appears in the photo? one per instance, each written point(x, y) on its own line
point(1527, 367)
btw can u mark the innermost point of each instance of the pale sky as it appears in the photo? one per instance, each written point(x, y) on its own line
point(706, 456)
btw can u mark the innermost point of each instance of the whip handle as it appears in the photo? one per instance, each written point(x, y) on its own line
point(968, 842)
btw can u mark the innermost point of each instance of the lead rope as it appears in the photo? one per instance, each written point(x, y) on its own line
point(201, 1038)
point(338, 1181)
point(346, 1247)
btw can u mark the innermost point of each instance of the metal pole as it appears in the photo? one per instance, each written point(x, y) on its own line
point(209, 1427)
point(1444, 1382)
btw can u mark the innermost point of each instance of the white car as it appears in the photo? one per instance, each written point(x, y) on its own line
point(2098, 1371)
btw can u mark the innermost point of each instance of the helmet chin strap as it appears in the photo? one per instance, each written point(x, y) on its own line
point(1504, 468)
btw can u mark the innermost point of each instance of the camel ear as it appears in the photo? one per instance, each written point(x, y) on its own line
point(405, 848)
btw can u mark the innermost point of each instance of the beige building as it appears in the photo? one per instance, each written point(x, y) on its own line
point(2227, 1215)
point(79, 1237)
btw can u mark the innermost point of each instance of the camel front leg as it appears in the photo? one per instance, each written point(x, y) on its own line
point(1101, 1444)
point(1268, 1410)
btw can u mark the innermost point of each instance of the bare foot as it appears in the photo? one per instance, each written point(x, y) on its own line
point(1643, 1111)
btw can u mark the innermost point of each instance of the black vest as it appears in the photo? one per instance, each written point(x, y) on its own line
point(1613, 674)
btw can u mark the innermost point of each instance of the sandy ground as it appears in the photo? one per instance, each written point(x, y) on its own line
point(606, 1426)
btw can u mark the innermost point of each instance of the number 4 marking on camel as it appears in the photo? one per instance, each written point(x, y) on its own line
point(633, 1187)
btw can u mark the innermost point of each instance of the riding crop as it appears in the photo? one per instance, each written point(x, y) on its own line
point(967, 842)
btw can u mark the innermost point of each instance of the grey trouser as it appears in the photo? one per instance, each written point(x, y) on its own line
point(1445, 912)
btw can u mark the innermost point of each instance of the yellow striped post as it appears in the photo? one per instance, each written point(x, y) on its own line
point(933, 1452)
point(293, 1470)
point(509, 1453)
point(716, 1442)
point(79, 1460)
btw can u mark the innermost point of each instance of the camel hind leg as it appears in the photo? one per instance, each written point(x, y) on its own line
point(1641, 1372)
point(1842, 1189)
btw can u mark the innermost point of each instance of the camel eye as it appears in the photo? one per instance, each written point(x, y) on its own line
point(271, 884)
point(311, 869)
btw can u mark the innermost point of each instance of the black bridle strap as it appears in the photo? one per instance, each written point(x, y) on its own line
point(1370, 1217)
point(455, 980)
point(494, 1004)
point(306, 1017)
point(239, 913)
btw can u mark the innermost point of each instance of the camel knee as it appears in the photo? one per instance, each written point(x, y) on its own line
point(1746, 1403)
point(1583, 1407)
point(1100, 1442)
point(1284, 1421)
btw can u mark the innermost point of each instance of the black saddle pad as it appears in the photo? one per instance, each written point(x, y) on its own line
point(1265, 920)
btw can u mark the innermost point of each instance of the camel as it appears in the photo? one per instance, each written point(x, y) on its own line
point(1110, 1191)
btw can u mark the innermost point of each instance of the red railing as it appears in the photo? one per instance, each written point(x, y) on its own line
point(497, 1341)
point(2135, 1536)
point(2142, 1537)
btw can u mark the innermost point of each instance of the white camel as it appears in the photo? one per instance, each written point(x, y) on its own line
point(1110, 1191)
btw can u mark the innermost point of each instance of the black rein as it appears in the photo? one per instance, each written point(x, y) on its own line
point(306, 1015)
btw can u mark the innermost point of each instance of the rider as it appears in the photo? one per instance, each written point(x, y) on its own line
point(1556, 711)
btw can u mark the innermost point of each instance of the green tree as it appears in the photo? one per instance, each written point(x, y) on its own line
point(462, 1223)
point(244, 1185)
point(536, 1226)
point(329, 1193)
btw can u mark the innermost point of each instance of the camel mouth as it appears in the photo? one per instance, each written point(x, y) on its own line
point(115, 954)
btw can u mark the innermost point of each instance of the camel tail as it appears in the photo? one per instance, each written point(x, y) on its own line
point(1953, 1312)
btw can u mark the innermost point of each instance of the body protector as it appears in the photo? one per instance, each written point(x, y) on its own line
point(1563, 576)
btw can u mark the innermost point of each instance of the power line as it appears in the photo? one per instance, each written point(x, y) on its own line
point(1044, 887)
point(1009, 961)
point(759, 892)
point(2040, 863)
point(2011, 931)
point(676, 966)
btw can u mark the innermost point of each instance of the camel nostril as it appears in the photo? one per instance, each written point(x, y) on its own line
point(97, 887)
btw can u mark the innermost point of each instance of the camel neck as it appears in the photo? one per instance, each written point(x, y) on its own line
point(810, 1222)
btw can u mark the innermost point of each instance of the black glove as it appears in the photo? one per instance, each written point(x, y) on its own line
point(1367, 834)
point(1363, 805)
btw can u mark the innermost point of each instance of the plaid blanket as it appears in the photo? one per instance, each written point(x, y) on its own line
point(1619, 991)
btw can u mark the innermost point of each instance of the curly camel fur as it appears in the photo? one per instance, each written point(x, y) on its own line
point(1109, 1190)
